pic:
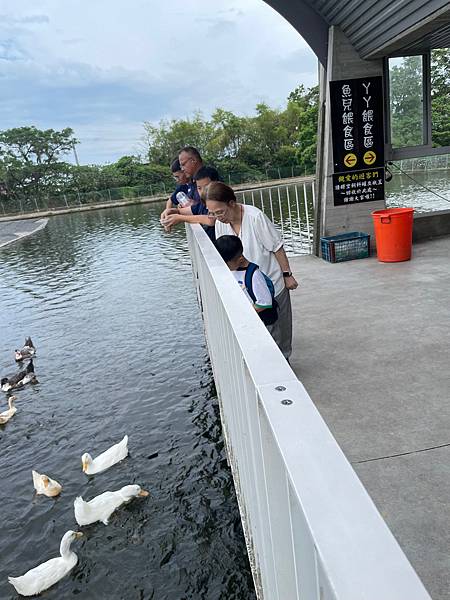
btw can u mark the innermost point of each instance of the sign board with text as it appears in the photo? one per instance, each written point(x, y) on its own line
point(358, 186)
point(357, 123)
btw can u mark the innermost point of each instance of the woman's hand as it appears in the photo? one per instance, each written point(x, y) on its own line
point(290, 282)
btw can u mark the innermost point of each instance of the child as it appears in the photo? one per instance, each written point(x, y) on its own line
point(256, 285)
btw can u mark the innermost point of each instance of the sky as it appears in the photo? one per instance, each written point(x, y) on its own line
point(103, 67)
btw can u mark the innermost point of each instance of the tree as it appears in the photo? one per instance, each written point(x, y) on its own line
point(165, 140)
point(30, 160)
point(301, 115)
point(440, 96)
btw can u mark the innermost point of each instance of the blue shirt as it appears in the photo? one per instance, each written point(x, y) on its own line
point(199, 209)
point(180, 188)
point(193, 192)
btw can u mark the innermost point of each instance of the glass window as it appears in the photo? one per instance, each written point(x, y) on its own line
point(407, 101)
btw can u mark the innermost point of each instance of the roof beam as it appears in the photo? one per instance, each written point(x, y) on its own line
point(311, 26)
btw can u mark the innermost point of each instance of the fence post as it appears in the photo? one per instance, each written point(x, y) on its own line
point(79, 198)
point(109, 194)
point(65, 200)
point(279, 173)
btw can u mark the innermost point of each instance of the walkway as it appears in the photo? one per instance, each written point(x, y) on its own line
point(10, 231)
point(372, 349)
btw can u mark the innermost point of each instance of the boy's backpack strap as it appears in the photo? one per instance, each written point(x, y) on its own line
point(248, 281)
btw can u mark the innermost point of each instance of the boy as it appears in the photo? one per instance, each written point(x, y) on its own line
point(257, 287)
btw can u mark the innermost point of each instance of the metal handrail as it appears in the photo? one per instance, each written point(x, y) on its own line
point(291, 215)
point(312, 531)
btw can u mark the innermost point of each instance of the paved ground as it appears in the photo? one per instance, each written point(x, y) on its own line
point(10, 231)
point(372, 347)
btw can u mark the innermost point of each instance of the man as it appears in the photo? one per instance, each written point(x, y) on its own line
point(190, 163)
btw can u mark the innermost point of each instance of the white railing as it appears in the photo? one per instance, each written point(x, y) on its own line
point(312, 531)
point(291, 207)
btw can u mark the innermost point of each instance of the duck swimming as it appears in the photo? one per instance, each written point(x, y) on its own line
point(8, 414)
point(102, 507)
point(45, 485)
point(28, 351)
point(105, 460)
point(48, 573)
point(19, 379)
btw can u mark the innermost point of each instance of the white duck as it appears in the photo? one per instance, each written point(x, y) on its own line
point(47, 574)
point(102, 507)
point(105, 460)
point(6, 415)
point(45, 485)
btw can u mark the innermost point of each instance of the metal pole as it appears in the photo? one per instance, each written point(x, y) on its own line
point(271, 204)
point(75, 154)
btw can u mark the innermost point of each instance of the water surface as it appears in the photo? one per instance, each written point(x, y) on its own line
point(108, 299)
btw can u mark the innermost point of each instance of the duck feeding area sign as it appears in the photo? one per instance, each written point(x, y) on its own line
point(356, 107)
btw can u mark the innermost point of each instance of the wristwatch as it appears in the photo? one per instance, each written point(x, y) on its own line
point(287, 273)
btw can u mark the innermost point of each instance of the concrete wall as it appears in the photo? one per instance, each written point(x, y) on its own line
point(343, 62)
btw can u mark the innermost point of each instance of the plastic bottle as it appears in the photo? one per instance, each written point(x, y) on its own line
point(183, 199)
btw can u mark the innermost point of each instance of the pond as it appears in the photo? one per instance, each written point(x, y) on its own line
point(108, 300)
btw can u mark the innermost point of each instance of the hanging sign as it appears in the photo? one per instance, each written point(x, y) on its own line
point(358, 141)
point(357, 123)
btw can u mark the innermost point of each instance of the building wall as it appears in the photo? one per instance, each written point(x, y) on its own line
point(343, 63)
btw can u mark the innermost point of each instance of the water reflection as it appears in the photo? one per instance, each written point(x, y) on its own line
point(404, 191)
point(107, 297)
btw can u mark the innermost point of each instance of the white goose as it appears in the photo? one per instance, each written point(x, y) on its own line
point(6, 415)
point(105, 460)
point(45, 485)
point(47, 574)
point(102, 507)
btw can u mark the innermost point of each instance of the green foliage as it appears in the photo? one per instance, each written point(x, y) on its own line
point(30, 160)
point(270, 143)
point(440, 96)
point(406, 100)
point(246, 145)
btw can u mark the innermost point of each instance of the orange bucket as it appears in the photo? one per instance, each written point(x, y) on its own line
point(393, 233)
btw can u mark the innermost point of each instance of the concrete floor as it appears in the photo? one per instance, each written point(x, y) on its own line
point(10, 231)
point(372, 347)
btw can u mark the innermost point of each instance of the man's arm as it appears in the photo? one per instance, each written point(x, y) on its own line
point(283, 261)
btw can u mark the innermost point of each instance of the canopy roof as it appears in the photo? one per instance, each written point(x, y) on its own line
point(376, 28)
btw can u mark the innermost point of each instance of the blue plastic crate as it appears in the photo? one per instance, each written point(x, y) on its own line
point(346, 246)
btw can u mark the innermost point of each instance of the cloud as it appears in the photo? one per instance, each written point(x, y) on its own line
point(103, 70)
point(10, 50)
point(25, 20)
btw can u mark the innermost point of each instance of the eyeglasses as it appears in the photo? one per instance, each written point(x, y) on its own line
point(185, 161)
point(217, 213)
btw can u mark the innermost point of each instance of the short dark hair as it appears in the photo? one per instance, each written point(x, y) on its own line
point(229, 247)
point(207, 172)
point(175, 166)
point(192, 152)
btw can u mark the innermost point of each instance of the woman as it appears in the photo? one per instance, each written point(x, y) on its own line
point(263, 245)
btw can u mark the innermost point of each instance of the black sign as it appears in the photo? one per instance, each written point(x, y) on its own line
point(358, 186)
point(357, 123)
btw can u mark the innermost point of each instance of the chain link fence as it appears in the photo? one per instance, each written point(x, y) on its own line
point(75, 199)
